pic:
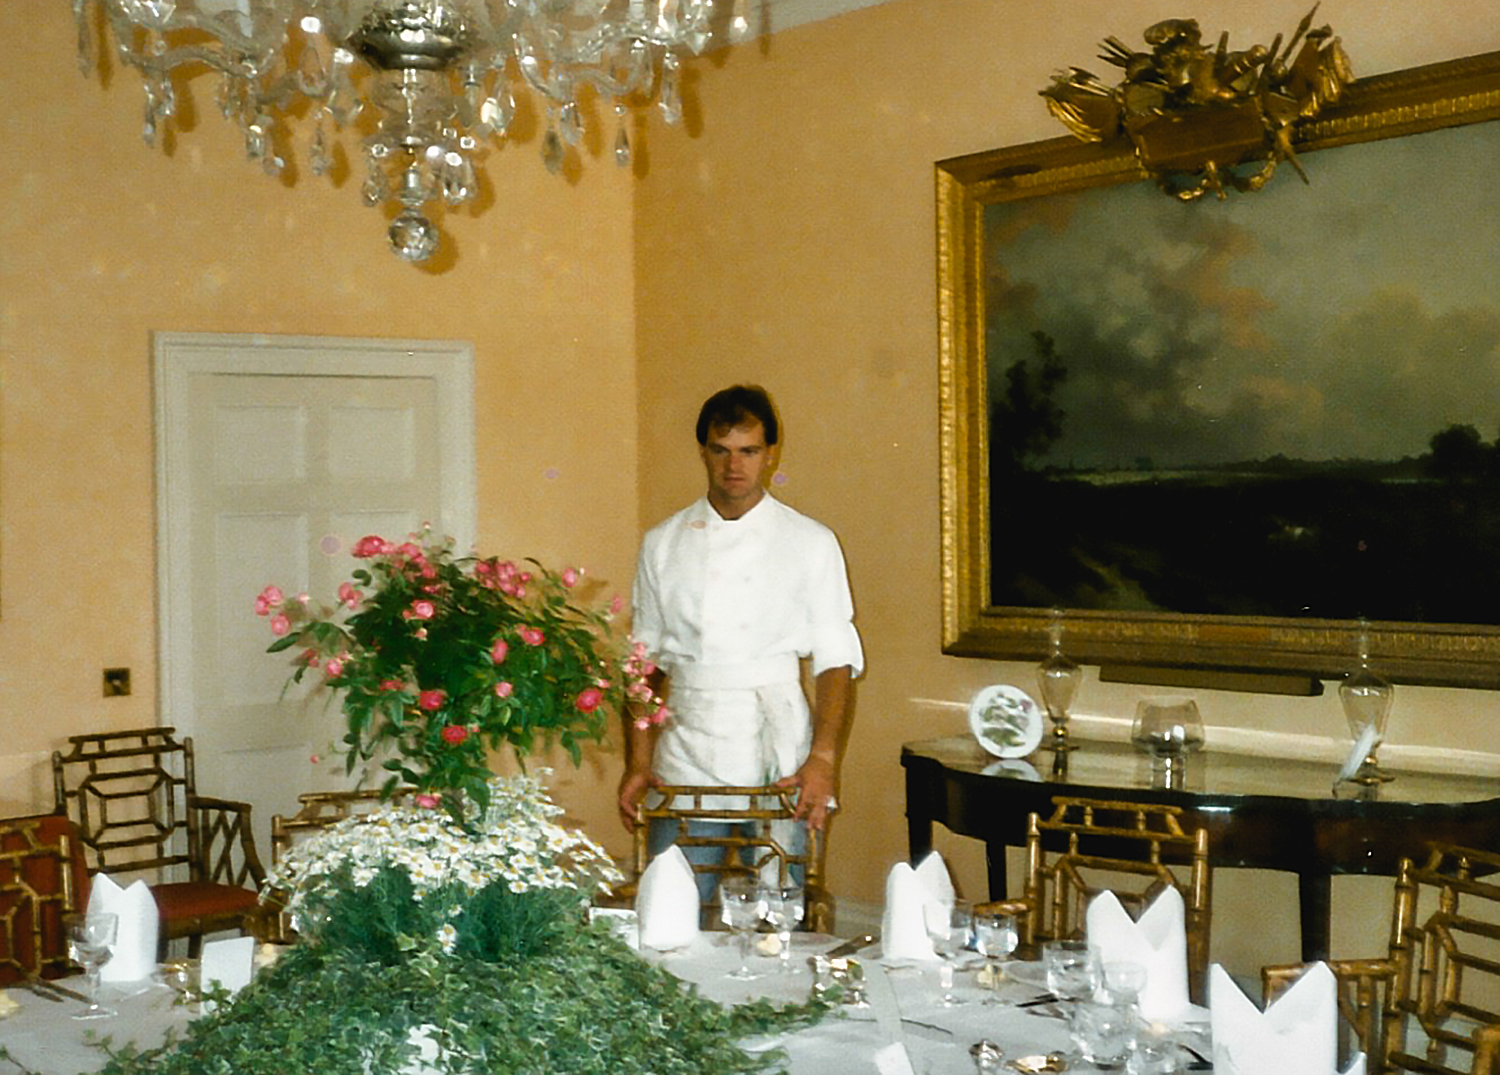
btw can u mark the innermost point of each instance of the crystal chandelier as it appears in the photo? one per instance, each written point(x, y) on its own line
point(436, 76)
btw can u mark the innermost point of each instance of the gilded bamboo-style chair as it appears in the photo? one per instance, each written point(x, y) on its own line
point(759, 848)
point(1432, 1004)
point(1135, 850)
point(316, 810)
point(134, 798)
point(42, 878)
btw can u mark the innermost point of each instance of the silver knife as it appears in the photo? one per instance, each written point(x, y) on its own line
point(39, 991)
point(852, 945)
point(38, 985)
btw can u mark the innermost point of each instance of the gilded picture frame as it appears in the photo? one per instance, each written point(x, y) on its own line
point(1406, 103)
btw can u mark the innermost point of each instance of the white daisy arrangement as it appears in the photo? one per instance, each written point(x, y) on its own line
point(512, 860)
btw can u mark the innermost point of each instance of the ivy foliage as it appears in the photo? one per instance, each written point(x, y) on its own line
point(582, 1003)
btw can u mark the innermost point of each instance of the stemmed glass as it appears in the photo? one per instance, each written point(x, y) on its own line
point(89, 937)
point(950, 930)
point(996, 935)
point(1058, 677)
point(741, 910)
point(1366, 699)
point(782, 907)
point(1073, 971)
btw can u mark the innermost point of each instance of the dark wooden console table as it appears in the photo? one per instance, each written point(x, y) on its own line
point(1267, 813)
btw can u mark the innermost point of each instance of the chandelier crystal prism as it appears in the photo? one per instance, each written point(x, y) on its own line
point(430, 84)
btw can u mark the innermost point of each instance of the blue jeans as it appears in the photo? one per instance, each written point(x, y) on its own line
point(663, 834)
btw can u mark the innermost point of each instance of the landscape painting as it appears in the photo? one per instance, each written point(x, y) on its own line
point(1219, 434)
point(1284, 404)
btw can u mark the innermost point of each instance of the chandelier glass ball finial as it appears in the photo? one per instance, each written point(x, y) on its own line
point(439, 76)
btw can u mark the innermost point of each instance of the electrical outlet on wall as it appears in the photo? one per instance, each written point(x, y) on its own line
point(116, 682)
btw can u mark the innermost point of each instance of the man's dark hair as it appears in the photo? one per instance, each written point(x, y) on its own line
point(737, 406)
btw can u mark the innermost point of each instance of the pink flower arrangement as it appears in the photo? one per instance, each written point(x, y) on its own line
point(444, 659)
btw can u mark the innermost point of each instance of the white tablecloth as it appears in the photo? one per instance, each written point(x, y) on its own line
point(44, 1037)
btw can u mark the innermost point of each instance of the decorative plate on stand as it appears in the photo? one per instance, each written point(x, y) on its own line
point(1006, 721)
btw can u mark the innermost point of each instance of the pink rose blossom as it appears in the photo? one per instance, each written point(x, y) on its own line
point(369, 546)
point(310, 658)
point(532, 636)
point(588, 700)
point(570, 577)
point(455, 734)
point(426, 801)
point(273, 595)
point(420, 634)
point(616, 603)
point(499, 650)
point(349, 596)
point(280, 625)
point(315, 759)
point(262, 606)
point(390, 684)
point(430, 700)
point(420, 610)
point(503, 689)
point(410, 551)
point(334, 668)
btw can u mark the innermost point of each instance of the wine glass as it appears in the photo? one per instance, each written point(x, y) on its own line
point(996, 936)
point(740, 908)
point(1366, 699)
point(89, 937)
point(782, 907)
point(1073, 971)
point(1058, 677)
point(1168, 729)
point(950, 929)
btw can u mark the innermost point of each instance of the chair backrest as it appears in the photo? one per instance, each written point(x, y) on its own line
point(1128, 848)
point(316, 810)
point(42, 878)
point(128, 792)
point(1445, 964)
point(759, 843)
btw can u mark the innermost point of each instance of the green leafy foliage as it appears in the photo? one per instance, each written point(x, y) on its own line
point(582, 1003)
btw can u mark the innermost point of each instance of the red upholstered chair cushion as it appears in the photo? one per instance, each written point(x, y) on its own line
point(40, 873)
point(186, 906)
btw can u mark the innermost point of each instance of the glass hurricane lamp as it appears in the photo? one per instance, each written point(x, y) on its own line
point(1367, 699)
point(1058, 677)
point(428, 85)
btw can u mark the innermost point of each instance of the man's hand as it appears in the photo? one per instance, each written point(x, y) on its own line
point(633, 787)
point(814, 784)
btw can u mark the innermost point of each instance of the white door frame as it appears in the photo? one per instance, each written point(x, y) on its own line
point(179, 356)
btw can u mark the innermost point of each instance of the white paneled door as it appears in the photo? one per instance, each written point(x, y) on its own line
point(275, 455)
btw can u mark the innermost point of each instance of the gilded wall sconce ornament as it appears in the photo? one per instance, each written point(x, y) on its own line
point(1195, 114)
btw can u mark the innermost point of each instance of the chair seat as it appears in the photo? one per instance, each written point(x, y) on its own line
point(183, 904)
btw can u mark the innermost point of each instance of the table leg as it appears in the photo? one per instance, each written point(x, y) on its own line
point(1315, 900)
point(918, 832)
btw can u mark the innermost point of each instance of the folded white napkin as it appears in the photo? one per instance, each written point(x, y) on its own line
point(132, 957)
point(893, 1059)
point(912, 896)
point(1158, 942)
point(1296, 1035)
point(666, 902)
point(229, 963)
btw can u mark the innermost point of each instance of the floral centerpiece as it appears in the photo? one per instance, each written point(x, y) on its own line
point(443, 659)
point(447, 929)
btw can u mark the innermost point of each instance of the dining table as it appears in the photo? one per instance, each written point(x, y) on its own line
point(1289, 814)
point(904, 1017)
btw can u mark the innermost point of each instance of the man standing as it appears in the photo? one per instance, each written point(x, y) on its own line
point(730, 594)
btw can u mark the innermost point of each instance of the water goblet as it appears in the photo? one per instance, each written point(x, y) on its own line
point(996, 936)
point(1124, 980)
point(740, 909)
point(1073, 971)
point(950, 930)
point(782, 907)
point(89, 937)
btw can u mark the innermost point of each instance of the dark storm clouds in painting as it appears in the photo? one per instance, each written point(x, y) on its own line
point(1285, 404)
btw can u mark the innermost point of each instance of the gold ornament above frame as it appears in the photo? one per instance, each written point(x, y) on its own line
point(1072, 198)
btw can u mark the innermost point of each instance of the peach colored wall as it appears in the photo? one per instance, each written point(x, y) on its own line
point(103, 241)
point(791, 243)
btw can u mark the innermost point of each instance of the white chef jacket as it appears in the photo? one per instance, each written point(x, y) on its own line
point(727, 608)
